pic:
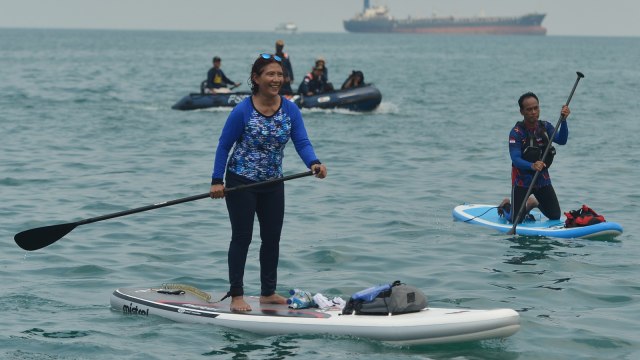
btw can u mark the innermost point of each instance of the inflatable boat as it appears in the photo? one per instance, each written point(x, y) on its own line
point(363, 98)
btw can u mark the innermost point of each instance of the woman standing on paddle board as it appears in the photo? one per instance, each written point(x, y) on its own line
point(258, 129)
point(527, 142)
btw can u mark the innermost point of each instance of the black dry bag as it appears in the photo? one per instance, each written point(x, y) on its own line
point(386, 299)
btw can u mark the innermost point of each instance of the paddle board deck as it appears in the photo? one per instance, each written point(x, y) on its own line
point(487, 215)
point(428, 326)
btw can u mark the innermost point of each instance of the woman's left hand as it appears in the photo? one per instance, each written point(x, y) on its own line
point(319, 170)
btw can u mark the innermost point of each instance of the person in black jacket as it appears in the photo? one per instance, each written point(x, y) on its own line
point(286, 67)
point(356, 79)
point(216, 79)
point(312, 84)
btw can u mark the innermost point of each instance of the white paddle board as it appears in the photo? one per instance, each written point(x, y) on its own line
point(428, 326)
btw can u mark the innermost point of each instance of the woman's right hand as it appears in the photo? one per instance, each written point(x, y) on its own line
point(216, 191)
point(319, 170)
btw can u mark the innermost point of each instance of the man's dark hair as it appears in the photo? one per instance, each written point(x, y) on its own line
point(527, 95)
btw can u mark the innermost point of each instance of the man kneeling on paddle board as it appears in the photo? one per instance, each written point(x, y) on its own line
point(528, 140)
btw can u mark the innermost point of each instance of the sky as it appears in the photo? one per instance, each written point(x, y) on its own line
point(564, 17)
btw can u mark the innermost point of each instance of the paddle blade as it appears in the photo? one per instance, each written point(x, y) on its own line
point(34, 239)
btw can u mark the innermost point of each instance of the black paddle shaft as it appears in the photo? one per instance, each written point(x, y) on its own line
point(544, 156)
point(37, 238)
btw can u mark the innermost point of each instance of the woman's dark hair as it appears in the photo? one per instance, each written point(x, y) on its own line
point(527, 95)
point(257, 68)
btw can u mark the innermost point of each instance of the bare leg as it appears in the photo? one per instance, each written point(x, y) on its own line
point(532, 203)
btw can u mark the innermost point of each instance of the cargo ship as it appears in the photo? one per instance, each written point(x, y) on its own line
point(376, 19)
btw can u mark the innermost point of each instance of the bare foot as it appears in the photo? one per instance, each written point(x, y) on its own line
point(238, 304)
point(273, 299)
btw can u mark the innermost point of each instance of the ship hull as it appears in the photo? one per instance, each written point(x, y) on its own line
point(479, 30)
point(369, 26)
point(524, 25)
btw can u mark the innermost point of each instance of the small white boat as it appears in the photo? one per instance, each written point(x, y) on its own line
point(287, 28)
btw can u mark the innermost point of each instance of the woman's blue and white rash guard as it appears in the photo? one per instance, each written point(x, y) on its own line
point(260, 141)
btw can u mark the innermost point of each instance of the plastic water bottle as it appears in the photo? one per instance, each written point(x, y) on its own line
point(300, 299)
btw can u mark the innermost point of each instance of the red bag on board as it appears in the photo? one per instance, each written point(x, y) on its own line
point(582, 217)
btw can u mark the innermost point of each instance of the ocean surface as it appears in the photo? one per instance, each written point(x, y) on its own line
point(87, 129)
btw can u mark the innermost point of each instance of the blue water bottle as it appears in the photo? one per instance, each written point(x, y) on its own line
point(300, 299)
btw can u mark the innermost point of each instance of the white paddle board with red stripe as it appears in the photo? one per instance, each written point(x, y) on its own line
point(428, 326)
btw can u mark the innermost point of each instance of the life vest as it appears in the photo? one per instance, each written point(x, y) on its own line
point(582, 217)
point(315, 86)
point(534, 144)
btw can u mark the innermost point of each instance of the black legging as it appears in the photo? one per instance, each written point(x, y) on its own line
point(268, 203)
point(547, 201)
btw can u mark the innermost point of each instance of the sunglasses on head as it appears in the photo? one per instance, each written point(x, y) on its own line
point(269, 56)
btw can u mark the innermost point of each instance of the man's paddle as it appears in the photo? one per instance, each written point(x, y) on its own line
point(544, 156)
point(34, 239)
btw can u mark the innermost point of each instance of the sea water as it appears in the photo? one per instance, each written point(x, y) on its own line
point(87, 129)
